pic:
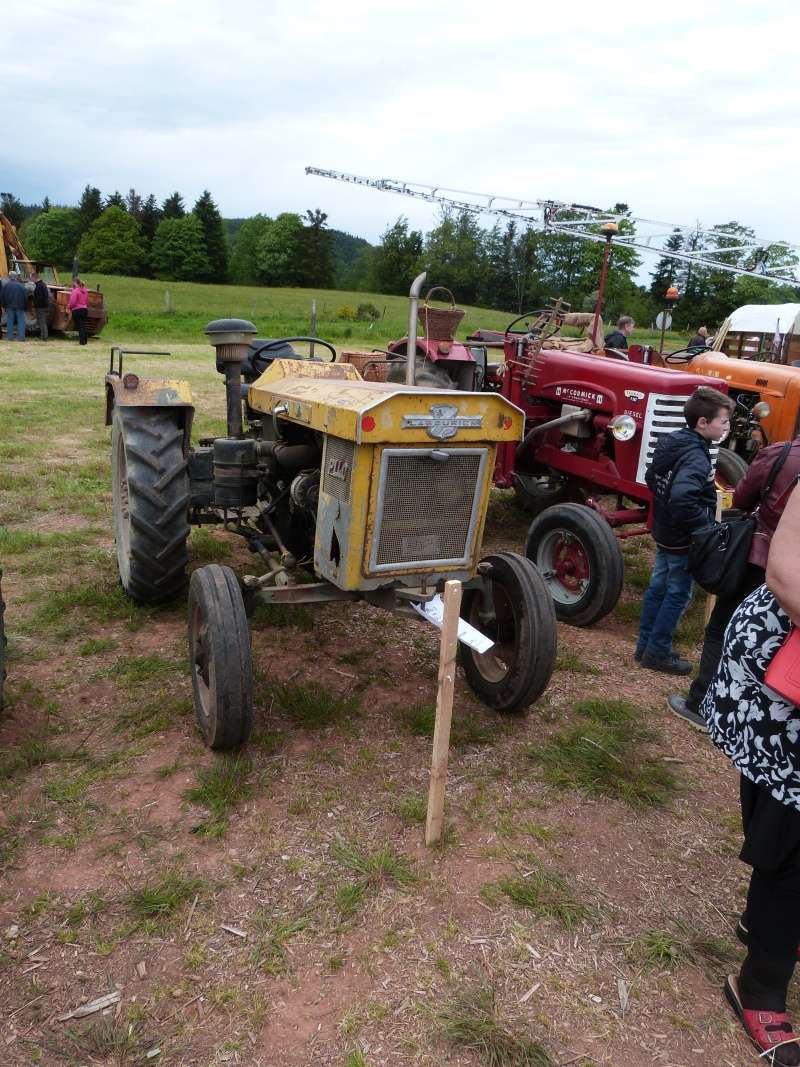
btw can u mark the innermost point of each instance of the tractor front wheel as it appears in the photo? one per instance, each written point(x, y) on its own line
point(219, 657)
point(514, 609)
point(150, 489)
point(731, 468)
point(580, 560)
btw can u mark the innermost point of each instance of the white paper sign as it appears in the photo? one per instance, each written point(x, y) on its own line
point(433, 612)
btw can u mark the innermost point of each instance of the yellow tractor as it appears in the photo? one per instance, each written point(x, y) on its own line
point(13, 257)
point(345, 489)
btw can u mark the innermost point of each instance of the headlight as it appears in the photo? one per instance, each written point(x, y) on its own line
point(761, 409)
point(623, 427)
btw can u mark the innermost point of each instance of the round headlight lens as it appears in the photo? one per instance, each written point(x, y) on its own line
point(623, 427)
point(762, 409)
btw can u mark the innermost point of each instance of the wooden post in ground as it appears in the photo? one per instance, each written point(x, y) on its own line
point(444, 711)
point(711, 599)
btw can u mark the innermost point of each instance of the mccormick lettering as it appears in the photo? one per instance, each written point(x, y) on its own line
point(570, 392)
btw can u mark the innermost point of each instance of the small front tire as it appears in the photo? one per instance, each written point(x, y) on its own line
point(220, 658)
point(518, 615)
point(578, 556)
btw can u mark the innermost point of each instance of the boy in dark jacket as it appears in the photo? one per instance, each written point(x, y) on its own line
point(681, 479)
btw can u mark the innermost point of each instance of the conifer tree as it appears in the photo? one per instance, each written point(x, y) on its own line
point(216, 248)
point(90, 208)
point(173, 207)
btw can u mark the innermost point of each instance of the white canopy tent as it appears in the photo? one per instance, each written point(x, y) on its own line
point(764, 318)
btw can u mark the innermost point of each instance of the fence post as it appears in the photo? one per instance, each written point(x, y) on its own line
point(448, 646)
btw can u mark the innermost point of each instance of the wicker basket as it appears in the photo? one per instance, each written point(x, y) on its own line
point(440, 324)
point(372, 367)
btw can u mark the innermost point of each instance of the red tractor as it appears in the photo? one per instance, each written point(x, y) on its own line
point(591, 425)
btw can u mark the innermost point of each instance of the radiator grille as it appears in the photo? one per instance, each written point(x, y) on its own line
point(664, 415)
point(426, 509)
point(338, 468)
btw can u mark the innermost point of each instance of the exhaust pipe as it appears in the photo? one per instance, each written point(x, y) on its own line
point(411, 346)
point(230, 339)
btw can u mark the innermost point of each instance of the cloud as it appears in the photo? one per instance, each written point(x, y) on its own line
point(686, 113)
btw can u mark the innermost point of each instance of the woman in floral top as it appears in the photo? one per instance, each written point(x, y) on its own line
point(759, 731)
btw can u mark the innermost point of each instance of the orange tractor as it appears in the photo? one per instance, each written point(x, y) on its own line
point(13, 257)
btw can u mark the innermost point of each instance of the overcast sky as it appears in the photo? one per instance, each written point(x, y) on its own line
point(685, 111)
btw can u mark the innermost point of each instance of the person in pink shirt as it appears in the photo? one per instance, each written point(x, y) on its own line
point(78, 304)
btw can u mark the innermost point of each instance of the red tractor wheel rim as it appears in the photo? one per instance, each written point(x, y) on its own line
point(564, 564)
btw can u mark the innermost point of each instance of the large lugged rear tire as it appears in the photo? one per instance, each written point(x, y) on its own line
point(516, 670)
point(150, 488)
point(220, 657)
point(580, 560)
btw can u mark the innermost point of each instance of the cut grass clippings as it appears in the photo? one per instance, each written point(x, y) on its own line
point(471, 1021)
point(604, 756)
point(220, 789)
point(543, 892)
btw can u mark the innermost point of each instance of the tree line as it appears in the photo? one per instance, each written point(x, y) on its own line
point(506, 266)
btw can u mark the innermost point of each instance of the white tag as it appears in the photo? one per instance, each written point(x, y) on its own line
point(433, 612)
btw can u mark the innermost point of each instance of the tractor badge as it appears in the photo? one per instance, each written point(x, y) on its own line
point(443, 421)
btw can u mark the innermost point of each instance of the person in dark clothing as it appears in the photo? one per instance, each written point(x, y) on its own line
point(618, 338)
point(15, 300)
point(700, 339)
point(681, 479)
point(781, 463)
point(758, 729)
point(41, 305)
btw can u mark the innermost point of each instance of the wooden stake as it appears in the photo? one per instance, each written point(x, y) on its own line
point(444, 711)
point(711, 599)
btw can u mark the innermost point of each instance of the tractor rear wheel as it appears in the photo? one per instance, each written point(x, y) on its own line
point(516, 611)
point(219, 657)
point(535, 492)
point(150, 489)
point(580, 560)
point(731, 468)
point(426, 373)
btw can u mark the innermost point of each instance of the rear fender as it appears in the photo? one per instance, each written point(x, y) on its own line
point(131, 391)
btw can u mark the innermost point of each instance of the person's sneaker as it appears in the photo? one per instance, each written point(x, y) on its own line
point(638, 655)
point(770, 1031)
point(671, 664)
point(678, 706)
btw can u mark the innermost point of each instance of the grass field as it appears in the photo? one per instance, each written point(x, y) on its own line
point(137, 312)
point(277, 905)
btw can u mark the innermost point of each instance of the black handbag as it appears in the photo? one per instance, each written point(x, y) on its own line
point(718, 554)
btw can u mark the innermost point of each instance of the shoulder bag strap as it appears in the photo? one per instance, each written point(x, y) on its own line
point(775, 470)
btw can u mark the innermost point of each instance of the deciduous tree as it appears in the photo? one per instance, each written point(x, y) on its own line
point(53, 235)
point(178, 250)
point(113, 244)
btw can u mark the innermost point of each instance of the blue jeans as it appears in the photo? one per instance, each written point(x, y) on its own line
point(665, 600)
point(15, 315)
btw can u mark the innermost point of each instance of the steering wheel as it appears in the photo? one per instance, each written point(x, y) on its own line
point(616, 353)
point(548, 330)
point(686, 354)
point(289, 340)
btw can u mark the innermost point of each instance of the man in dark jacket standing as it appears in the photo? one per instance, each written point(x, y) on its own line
point(14, 301)
point(618, 338)
point(681, 479)
point(41, 305)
